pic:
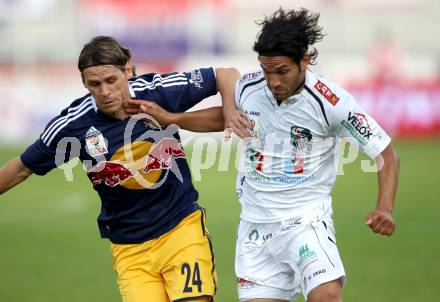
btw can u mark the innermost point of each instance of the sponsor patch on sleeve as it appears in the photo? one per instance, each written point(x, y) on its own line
point(196, 78)
point(327, 93)
point(250, 76)
point(357, 124)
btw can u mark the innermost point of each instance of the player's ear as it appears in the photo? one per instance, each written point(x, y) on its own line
point(128, 70)
point(304, 63)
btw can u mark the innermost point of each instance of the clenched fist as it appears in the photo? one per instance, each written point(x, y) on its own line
point(381, 222)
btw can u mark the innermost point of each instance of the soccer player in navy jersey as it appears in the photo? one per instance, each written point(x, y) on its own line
point(161, 248)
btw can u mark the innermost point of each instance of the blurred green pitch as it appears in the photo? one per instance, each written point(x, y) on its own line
point(50, 248)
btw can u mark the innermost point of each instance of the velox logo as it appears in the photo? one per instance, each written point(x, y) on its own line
point(327, 93)
point(357, 125)
point(360, 123)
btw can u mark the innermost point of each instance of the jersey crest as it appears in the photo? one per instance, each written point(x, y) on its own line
point(300, 136)
point(95, 142)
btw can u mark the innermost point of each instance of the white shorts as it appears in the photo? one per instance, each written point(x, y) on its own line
point(279, 260)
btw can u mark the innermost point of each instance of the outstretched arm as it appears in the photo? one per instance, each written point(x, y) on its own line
point(13, 173)
point(380, 220)
point(205, 120)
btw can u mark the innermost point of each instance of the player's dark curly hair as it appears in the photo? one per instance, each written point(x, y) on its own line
point(290, 33)
point(103, 50)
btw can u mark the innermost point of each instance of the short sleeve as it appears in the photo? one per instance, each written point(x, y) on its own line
point(48, 152)
point(39, 158)
point(350, 120)
point(249, 82)
point(181, 91)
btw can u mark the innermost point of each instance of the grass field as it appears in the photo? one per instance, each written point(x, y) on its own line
point(50, 248)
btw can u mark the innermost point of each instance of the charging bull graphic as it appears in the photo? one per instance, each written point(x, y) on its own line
point(138, 165)
point(111, 173)
point(160, 154)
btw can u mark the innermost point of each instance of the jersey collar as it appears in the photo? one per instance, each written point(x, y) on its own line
point(310, 78)
point(94, 103)
point(132, 94)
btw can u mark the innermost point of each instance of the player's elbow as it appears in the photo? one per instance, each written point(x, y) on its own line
point(226, 74)
point(393, 156)
point(389, 158)
point(231, 71)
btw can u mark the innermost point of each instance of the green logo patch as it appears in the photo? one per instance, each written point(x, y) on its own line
point(305, 255)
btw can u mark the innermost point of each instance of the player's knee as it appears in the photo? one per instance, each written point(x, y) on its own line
point(325, 296)
point(327, 292)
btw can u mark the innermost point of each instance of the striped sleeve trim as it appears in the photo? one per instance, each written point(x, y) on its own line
point(58, 124)
point(172, 80)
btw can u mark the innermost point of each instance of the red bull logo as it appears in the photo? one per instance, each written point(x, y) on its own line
point(137, 165)
point(160, 154)
point(110, 173)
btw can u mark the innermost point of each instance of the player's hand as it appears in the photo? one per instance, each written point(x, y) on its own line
point(163, 117)
point(381, 222)
point(236, 122)
point(132, 107)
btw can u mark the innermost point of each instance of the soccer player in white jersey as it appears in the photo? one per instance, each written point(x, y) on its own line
point(286, 240)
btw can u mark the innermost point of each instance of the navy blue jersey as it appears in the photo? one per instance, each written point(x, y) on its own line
point(139, 171)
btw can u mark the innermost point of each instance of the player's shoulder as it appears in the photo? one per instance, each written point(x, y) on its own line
point(325, 91)
point(250, 80)
point(150, 82)
point(76, 113)
point(79, 106)
point(154, 79)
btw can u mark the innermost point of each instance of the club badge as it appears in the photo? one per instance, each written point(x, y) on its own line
point(95, 142)
point(300, 136)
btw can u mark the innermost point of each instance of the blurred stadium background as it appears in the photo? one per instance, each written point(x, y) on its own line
point(386, 53)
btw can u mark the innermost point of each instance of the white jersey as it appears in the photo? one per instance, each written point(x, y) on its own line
point(290, 169)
